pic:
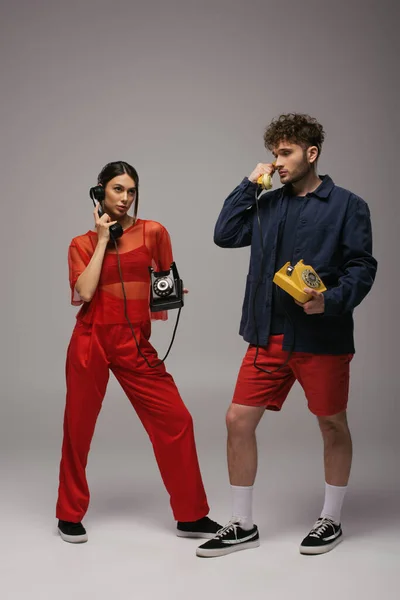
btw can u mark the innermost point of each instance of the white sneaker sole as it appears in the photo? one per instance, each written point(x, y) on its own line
point(73, 539)
point(205, 553)
point(195, 534)
point(312, 551)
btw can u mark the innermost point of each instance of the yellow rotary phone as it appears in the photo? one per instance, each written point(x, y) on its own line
point(293, 280)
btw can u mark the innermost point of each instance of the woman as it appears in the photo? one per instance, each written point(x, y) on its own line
point(102, 339)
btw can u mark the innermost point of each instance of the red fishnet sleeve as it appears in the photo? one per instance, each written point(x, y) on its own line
point(78, 259)
point(163, 250)
point(162, 260)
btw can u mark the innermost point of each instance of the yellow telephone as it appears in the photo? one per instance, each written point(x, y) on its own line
point(294, 279)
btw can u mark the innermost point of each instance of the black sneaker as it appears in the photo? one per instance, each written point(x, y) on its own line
point(75, 533)
point(203, 528)
point(230, 538)
point(324, 536)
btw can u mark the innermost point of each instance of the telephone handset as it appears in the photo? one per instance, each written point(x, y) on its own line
point(97, 194)
point(265, 180)
point(294, 279)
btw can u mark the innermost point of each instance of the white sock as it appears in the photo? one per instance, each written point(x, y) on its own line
point(242, 505)
point(334, 496)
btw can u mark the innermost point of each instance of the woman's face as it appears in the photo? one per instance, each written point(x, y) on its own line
point(120, 193)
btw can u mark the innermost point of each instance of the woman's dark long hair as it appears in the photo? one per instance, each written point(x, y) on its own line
point(119, 167)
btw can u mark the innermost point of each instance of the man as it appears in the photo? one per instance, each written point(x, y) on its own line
point(308, 218)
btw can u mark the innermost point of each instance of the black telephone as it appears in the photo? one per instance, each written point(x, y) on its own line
point(97, 194)
point(166, 289)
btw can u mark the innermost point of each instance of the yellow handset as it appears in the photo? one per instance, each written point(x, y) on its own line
point(265, 180)
point(294, 279)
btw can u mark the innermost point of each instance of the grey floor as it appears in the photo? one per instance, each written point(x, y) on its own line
point(133, 551)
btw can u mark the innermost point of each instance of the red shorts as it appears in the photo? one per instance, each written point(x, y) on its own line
point(323, 377)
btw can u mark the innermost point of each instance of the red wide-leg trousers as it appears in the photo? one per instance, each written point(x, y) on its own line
point(92, 352)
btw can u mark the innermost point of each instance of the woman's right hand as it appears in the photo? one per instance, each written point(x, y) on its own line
point(261, 169)
point(103, 224)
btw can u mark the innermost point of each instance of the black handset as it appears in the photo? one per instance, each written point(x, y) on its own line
point(97, 194)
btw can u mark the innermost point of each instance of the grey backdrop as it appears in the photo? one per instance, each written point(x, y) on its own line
point(183, 91)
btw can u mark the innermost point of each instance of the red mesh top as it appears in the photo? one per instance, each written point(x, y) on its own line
point(144, 244)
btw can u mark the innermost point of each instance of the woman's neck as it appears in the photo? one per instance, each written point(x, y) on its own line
point(126, 221)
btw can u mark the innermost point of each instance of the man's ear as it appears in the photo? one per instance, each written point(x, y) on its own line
point(312, 154)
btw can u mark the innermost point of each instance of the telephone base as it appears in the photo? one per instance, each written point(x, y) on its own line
point(293, 280)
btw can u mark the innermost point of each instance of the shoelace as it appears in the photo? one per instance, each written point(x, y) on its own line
point(320, 527)
point(231, 526)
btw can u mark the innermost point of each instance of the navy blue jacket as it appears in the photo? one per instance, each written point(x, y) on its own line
point(333, 235)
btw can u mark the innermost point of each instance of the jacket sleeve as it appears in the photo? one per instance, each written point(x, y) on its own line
point(359, 266)
point(234, 225)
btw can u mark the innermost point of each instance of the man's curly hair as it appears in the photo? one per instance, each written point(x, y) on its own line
point(295, 128)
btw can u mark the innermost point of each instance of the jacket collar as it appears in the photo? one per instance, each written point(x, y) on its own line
point(322, 192)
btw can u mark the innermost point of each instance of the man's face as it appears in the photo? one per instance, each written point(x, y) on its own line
point(292, 162)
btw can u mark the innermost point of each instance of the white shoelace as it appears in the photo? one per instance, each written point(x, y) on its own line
point(231, 526)
point(320, 527)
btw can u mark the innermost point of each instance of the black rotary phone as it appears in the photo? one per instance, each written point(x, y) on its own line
point(97, 194)
point(166, 289)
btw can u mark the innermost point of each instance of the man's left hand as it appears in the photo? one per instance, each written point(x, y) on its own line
point(314, 306)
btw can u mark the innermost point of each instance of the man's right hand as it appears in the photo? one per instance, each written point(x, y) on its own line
point(261, 169)
point(103, 225)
